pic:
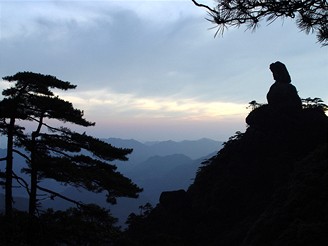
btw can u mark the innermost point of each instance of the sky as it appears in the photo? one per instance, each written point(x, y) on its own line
point(152, 70)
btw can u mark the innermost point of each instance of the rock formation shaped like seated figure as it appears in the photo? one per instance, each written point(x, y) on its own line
point(282, 95)
point(284, 104)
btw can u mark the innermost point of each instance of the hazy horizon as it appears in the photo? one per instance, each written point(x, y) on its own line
point(143, 141)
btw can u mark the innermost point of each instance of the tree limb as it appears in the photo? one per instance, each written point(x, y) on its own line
point(22, 182)
point(22, 155)
point(56, 194)
point(311, 15)
point(204, 6)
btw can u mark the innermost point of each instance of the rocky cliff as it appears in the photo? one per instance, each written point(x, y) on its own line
point(267, 186)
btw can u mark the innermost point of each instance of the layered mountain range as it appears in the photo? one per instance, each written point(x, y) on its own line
point(155, 166)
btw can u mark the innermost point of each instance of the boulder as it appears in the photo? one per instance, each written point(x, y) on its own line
point(283, 97)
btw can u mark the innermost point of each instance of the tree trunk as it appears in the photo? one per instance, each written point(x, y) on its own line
point(34, 179)
point(9, 170)
point(34, 169)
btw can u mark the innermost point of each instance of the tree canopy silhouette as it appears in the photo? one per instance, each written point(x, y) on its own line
point(310, 16)
point(56, 153)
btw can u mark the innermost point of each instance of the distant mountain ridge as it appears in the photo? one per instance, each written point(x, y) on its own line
point(194, 149)
point(155, 166)
point(20, 203)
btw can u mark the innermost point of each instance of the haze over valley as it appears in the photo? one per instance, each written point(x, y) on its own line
point(155, 166)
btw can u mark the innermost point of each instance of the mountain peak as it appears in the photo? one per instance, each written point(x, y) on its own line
point(252, 192)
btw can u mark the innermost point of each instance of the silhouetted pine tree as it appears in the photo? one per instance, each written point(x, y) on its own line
point(56, 152)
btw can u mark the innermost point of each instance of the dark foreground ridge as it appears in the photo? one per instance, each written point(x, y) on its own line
point(267, 186)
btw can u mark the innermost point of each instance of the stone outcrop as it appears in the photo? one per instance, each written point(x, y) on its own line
point(268, 186)
point(173, 200)
point(284, 104)
point(282, 95)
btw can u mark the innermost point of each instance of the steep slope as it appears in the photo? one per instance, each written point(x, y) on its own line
point(155, 175)
point(298, 215)
point(262, 188)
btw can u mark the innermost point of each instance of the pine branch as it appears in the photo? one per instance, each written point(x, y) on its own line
point(22, 155)
point(311, 15)
point(204, 6)
point(55, 194)
point(22, 182)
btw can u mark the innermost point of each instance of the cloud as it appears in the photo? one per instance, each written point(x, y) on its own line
point(153, 59)
point(121, 105)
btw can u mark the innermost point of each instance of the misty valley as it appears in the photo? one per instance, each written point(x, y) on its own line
point(155, 166)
